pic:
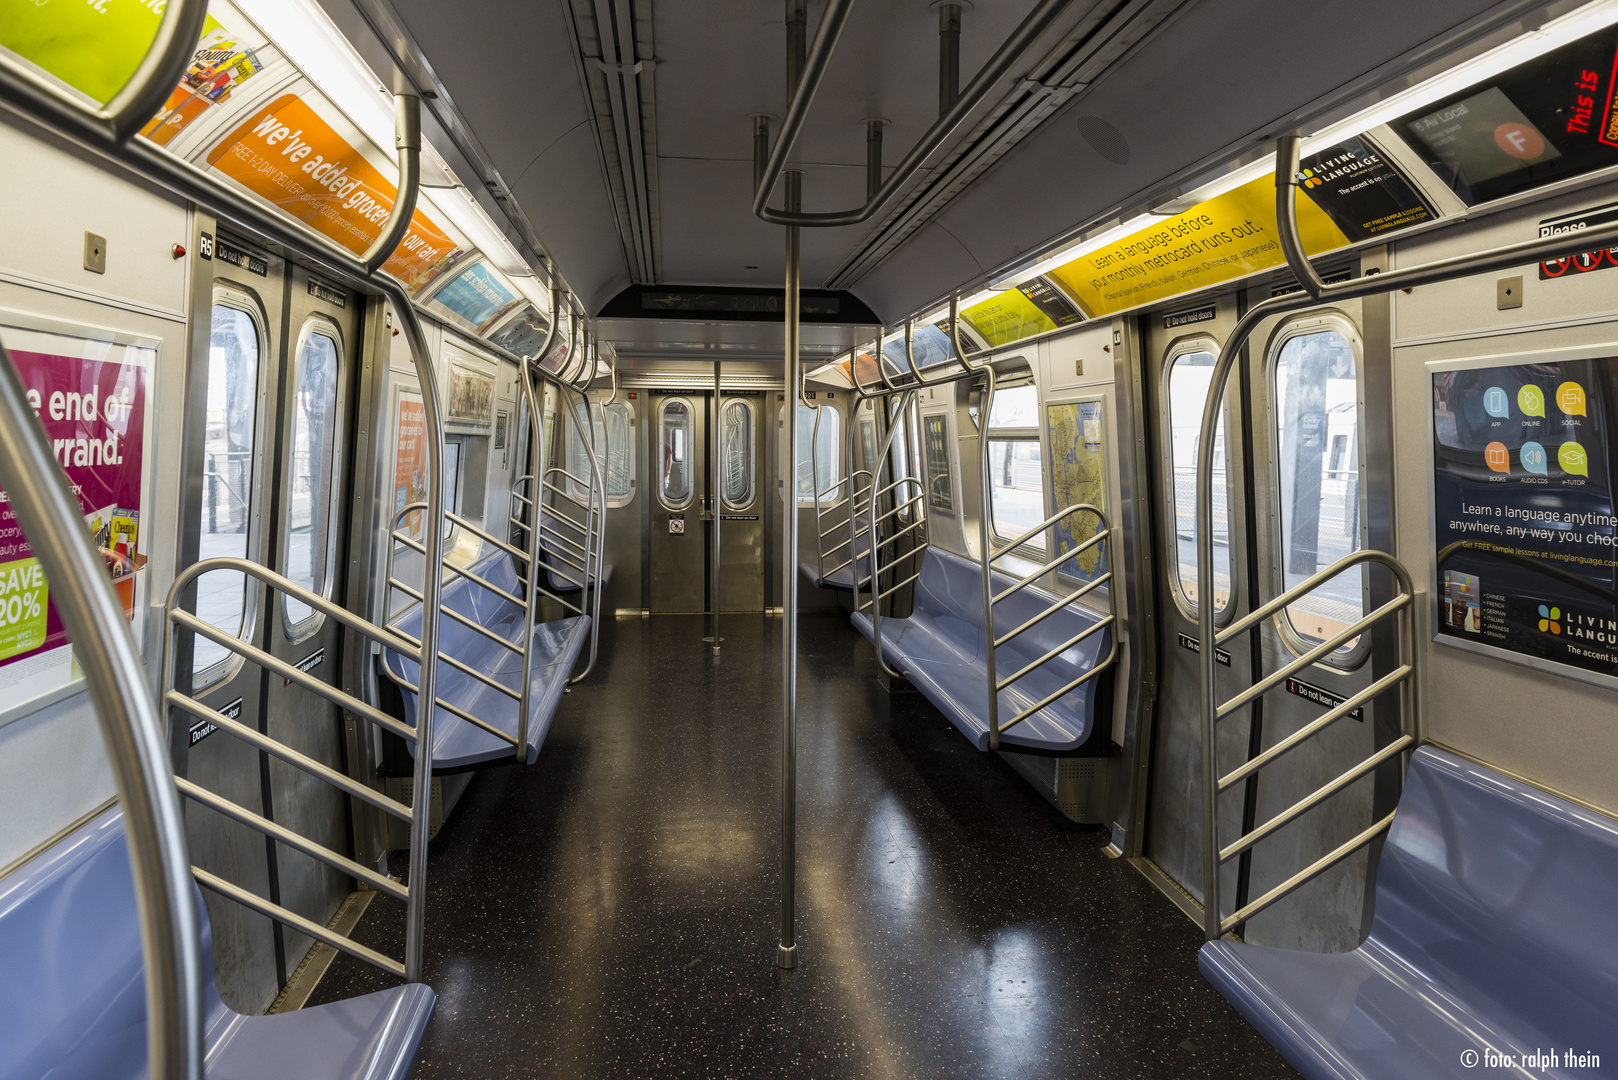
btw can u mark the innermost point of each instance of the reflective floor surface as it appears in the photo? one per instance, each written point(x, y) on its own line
point(612, 911)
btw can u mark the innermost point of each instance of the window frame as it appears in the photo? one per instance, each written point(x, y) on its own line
point(315, 323)
point(750, 451)
point(1188, 346)
point(1031, 435)
point(839, 459)
point(230, 296)
point(690, 431)
point(575, 443)
point(1344, 659)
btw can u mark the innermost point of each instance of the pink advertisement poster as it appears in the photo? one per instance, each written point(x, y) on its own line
point(94, 413)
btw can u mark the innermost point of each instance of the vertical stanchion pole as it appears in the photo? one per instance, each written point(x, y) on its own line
point(797, 19)
point(718, 495)
point(788, 957)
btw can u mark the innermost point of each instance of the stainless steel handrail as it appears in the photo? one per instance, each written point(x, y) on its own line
point(993, 642)
point(1313, 294)
point(884, 455)
point(1404, 678)
point(177, 620)
point(814, 69)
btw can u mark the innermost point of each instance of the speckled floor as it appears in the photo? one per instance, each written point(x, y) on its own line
point(612, 910)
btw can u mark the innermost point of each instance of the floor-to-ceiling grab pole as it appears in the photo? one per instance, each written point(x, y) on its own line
point(718, 496)
point(788, 953)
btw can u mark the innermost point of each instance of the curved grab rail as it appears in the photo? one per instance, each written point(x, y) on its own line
point(815, 64)
point(178, 620)
point(168, 56)
point(131, 727)
point(875, 577)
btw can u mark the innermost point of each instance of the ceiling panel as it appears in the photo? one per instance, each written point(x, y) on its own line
point(1055, 181)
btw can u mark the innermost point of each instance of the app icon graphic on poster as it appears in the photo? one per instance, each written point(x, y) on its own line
point(1495, 402)
point(1533, 458)
point(1573, 459)
point(1531, 400)
point(1463, 607)
point(1527, 557)
point(1570, 399)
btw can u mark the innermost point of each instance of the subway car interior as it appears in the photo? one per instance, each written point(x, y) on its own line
point(643, 538)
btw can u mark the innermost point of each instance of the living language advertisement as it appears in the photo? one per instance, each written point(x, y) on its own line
point(1522, 508)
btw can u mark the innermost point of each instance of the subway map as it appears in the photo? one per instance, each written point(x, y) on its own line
point(1078, 471)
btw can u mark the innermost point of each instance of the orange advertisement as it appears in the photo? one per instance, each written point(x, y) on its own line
point(410, 460)
point(292, 158)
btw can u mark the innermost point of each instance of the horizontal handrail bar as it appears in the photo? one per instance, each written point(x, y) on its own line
point(466, 669)
point(890, 590)
point(899, 509)
point(286, 587)
point(1325, 648)
point(1064, 691)
point(488, 537)
point(1054, 608)
point(1068, 511)
point(297, 841)
point(1381, 686)
point(454, 710)
point(874, 391)
point(289, 672)
point(1309, 802)
point(842, 526)
point(1098, 626)
point(908, 528)
point(469, 623)
point(1048, 566)
point(290, 918)
point(1319, 866)
point(462, 571)
point(1310, 584)
point(290, 756)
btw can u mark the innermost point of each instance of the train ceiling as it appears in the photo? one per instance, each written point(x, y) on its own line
point(615, 134)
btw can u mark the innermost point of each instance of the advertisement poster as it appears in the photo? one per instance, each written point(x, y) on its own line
point(1360, 192)
point(471, 396)
point(90, 397)
point(477, 297)
point(1523, 464)
point(1034, 307)
point(1225, 238)
point(1078, 471)
point(935, 447)
point(289, 156)
point(409, 460)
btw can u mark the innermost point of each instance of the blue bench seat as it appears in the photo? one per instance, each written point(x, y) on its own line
point(940, 649)
point(556, 647)
point(73, 1000)
point(1496, 929)
point(556, 568)
point(841, 577)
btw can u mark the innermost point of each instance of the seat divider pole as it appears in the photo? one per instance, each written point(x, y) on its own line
point(535, 552)
point(986, 555)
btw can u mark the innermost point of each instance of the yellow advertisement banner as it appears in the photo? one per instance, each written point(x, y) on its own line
point(291, 157)
point(1227, 237)
point(1007, 317)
